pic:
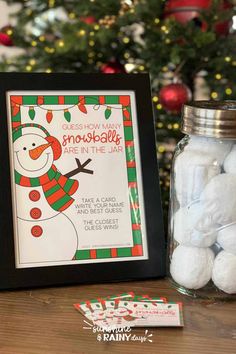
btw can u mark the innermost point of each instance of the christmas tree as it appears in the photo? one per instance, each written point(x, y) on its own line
point(180, 43)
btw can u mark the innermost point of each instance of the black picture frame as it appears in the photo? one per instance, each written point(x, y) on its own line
point(12, 277)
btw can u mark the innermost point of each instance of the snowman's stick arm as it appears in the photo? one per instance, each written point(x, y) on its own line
point(80, 168)
point(85, 170)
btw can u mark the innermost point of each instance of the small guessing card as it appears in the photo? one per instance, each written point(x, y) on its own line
point(153, 314)
point(103, 313)
point(126, 312)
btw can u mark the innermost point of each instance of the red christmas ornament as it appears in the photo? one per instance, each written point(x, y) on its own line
point(173, 96)
point(112, 68)
point(222, 28)
point(184, 11)
point(5, 39)
point(89, 20)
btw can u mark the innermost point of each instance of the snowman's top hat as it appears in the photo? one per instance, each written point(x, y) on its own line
point(30, 129)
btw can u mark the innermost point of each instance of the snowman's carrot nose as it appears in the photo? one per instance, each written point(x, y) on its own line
point(37, 152)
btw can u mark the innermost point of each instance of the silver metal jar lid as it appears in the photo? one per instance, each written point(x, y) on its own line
point(210, 118)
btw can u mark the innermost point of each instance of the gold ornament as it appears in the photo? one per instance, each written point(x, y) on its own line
point(107, 21)
point(228, 91)
point(214, 95)
point(127, 6)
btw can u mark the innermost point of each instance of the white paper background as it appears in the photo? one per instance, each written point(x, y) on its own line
point(109, 180)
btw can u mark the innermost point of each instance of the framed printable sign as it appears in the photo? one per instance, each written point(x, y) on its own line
point(80, 196)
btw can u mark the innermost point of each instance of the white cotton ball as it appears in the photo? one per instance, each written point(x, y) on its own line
point(193, 170)
point(191, 267)
point(219, 198)
point(230, 161)
point(227, 238)
point(188, 227)
point(224, 272)
point(217, 148)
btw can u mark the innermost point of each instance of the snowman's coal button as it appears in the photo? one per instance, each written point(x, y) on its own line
point(35, 213)
point(34, 195)
point(37, 231)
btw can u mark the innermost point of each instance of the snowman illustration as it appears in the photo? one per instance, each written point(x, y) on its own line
point(45, 233)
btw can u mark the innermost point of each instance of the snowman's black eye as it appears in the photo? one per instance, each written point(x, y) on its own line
point(33, 144)
point(24, 148)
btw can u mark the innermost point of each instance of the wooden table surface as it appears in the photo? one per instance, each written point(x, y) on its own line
point(43, 321)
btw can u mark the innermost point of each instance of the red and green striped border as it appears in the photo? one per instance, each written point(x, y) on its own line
point(124, 100)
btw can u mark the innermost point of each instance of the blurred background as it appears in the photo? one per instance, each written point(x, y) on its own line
point(187, 46)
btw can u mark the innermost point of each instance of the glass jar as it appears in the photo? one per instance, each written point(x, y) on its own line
point(202, 228)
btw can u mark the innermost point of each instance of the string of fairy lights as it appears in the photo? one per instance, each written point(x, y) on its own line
point(89, 33)
point(67, 114)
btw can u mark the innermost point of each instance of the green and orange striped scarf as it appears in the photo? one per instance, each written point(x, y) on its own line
point(56, 187)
